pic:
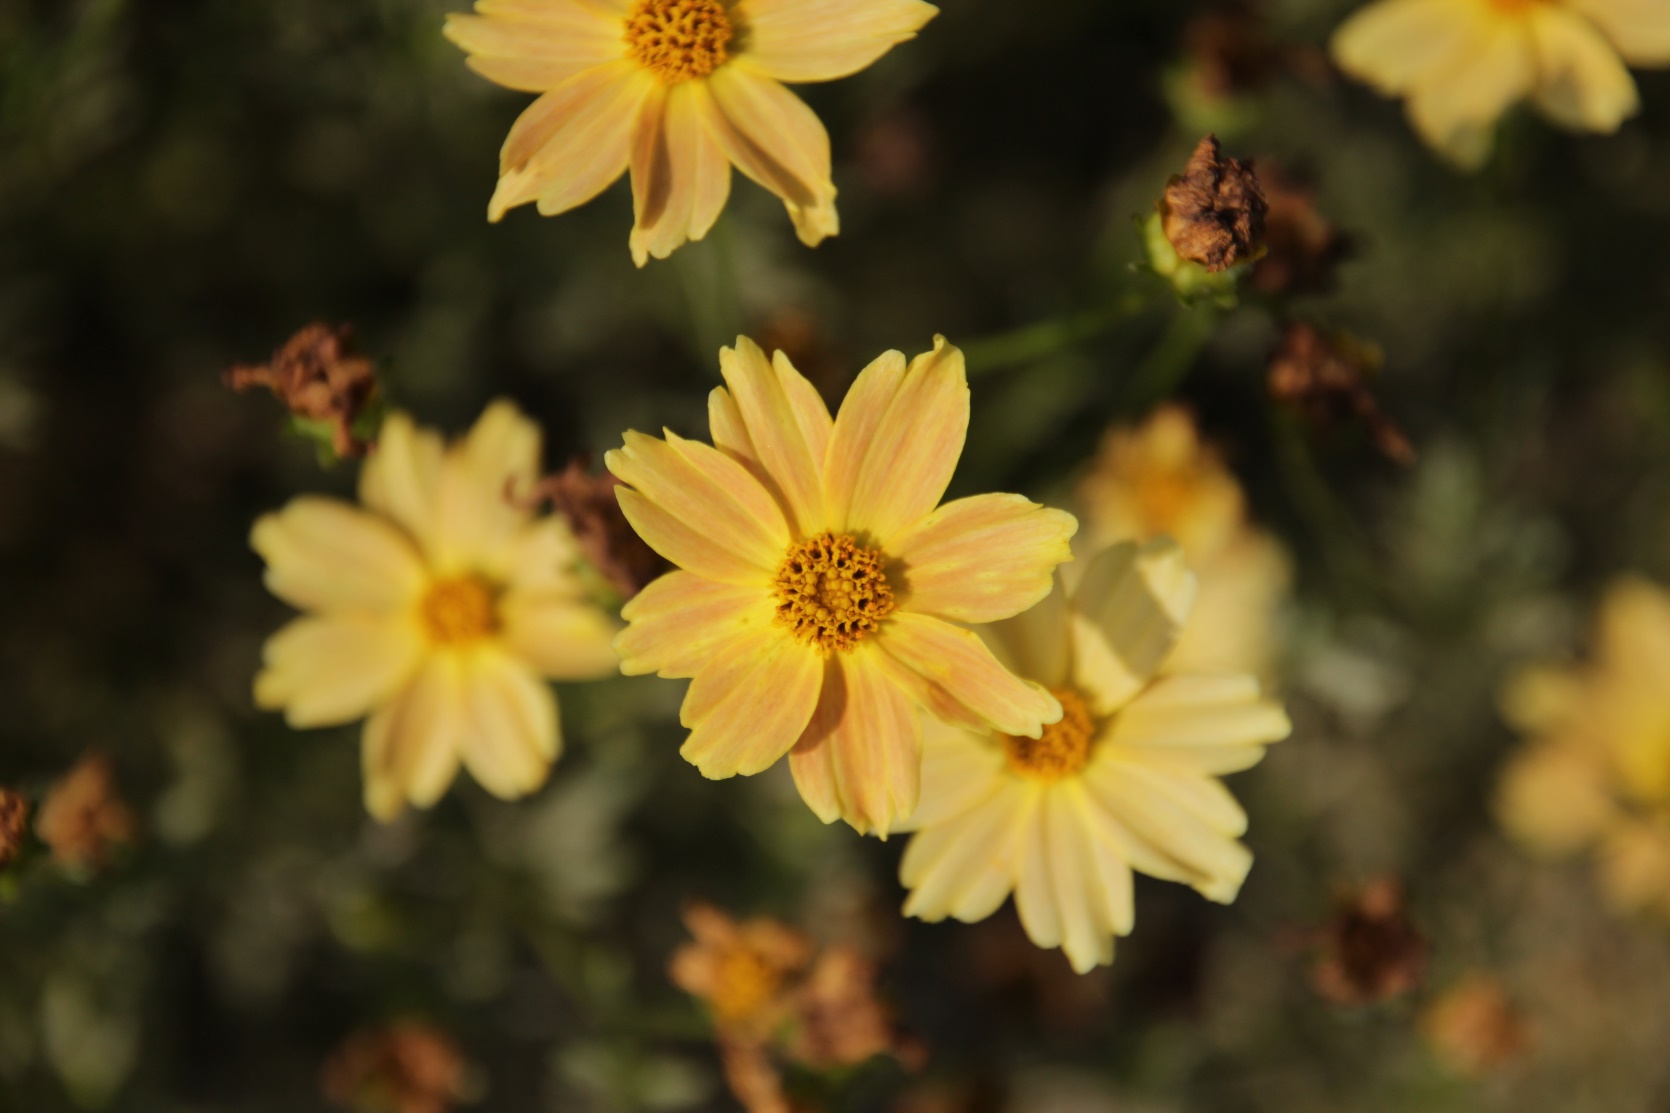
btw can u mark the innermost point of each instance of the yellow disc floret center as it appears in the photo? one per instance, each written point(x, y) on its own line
point(743, 985)
point(460, 611)
point(1063, 750)
point(678, 39)
point(832, 592)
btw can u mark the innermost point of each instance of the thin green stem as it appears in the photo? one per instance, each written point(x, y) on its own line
point(1043, 339)
point(1171, 357)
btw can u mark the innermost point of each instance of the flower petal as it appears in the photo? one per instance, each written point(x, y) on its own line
point(1161, 837)
point(571, 143)
point(511, 734)
point(821, 40)
point(410, 746)
point(897, 440)
point(1455, 109)
point(954, 666)
point(1581, 81)
point(1037, 642)
point(402, 477)
point(1190, 711)
point(772, 137)
point(860, 756)
point(327, 555)
point(479, 524)
point(561, 639)
point(331, 670)
point(749, 704)
point(1555, 799)
point(1640, 29)
point(1075, 881)
point(788, 428)
point(534, 46)
point(1034, 881)
point(1127, 613)
point(1394, 44)
point(677, 623)
point(964, 866)
point(680, 175)
point(981, 559)
point(959, 768)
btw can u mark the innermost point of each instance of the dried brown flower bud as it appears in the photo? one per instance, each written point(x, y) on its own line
point(840, 1019)
point(1213, 213)
point(83, 818)
point(1371, 951)
point(1229, 50)
point(1326, 378)
point(607, 540)
point(1474, 1027)
point(321, 376)
point(14, 825)
point(1303, 249)
point(407, 1067)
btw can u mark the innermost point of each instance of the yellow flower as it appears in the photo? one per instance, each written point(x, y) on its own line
point(1596, 772)
point(1158, 480)
point(1460, 64)
point(436, 611)
point(677, 91)
point(819, 587)
point(1126, 780)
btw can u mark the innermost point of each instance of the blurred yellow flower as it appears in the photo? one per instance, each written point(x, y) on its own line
point(436, 611)
point(1460, 64)
point(1127, 780)
point(1596, 770)
point(1158, 480)
point(677, 91)
point(819, 590)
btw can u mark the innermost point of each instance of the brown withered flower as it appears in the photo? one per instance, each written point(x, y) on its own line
point(1303, 249)
point(1213, 213)
point(83, 818)
point(1474, 1028)
point(1229, 50)
point(1371, 951)
point(321, 376)
point(609, 544)
point(840, 1021)
point(1326, 378)
point(406, 1067)
point(14, 825)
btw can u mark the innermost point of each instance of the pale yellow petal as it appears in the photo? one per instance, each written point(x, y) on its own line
point(1639, 29)
point(1190, 711)
point(1581, 81)
point(1075, 881)
point(680, 175)
point(772, 137)
point(1394, 44)
point(1212, 863)
point(953, 663)
point(866, 405)
point(965, 865)
point(1635, 864)
point(1034, 876)
point(535, 46)
point(1107, 872)
point(480, 525)
point(1236, 623)
point(511, 733)
point(560, 639)
point(410, 748)
point(1555, 799)
point(959, 768)
point(1204, 798)
point(402, 477)
point(1037, 642)
point(748, 706)
point(821, 40)
point(980, 559)
point(542, 560)
point(1455, 109)
point(676, 624)
point(326, 555)
point(788, 429)
point(325, 671)
point(1126, 614)
point(571, 143)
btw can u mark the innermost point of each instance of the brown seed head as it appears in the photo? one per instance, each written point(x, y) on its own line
point(1326, 378)
point(606, 539)
point(406, 1067)
point(1229, 50)
point(321, 376)
point(14, 825)
point(1213, 213)
point(83, 818)
point(1303, 249)
point(1371, 951)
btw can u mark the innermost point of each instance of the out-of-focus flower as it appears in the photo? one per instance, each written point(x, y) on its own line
point(840, 1020)
point(1460, 64)
point(1474, 1027)
point(1371, 951)
point(1326, 377)
point(14, 825)
point(323, 378)
point(406, 1067)
point(821, 584)
point(1596, 770)
point(587, 503)
point(1126, 780)
point(83, 818)
point(1159, 479)
point(741, 971)
point(436, 611)
point(678, 91)
point(1303, 249)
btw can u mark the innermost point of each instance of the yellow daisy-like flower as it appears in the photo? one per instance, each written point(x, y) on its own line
point(1460, 64)
point(1159, 479)
point(1596, 772)
point(678, 91)
point(821, 583)
point(436, 610)
point(1126, 780)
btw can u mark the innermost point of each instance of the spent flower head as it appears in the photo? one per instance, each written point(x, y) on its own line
point(83, 819)
point(328, 384)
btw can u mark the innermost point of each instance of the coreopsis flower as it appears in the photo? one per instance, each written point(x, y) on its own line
point(437, 612)
point(821, 585)
point(678, 91)
point(1595, 774)
point(1159, 479)
point(1461, 64)
point(1127, 780)
point(742, 972)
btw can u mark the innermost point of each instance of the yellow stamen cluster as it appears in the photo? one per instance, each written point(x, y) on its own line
point(831, 592)
point(745, 983)
point(678, 39)
point(459, 611)
point(1063, 750)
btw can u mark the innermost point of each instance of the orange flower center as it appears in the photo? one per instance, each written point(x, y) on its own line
point(678, 39)
point(743, 986)
point(831, 592)
point(460, 611)
point(1513, 7)
point(1063, 750)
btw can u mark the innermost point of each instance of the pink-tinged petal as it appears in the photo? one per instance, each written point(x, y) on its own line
point(677, 623)
point(898, 472)
point(1640, 29)
point(680, 175)
point(964, 866)
point(410, 747)
point(860, 757)
point(954, 663)
point(331, 670)
point(402, 477)
point(981, 559)
point(687, 545)
point(535, 46)
point(822, 40)
point(772, 137)
point(325, 555)
point(788, 434)
point(1581, 81)
point(1126, 615)
point(480, 526)
point(572, 142)
point(747, 707)
point(559, 638)
point(511, 734)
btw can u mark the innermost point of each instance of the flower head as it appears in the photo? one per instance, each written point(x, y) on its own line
point(1126, 780)
point(678, 91)
point(437, 610)
point(1460, 64)
point(820, 582)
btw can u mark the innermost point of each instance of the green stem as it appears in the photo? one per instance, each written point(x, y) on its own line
point(1035, 342)
point(1171, 357)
